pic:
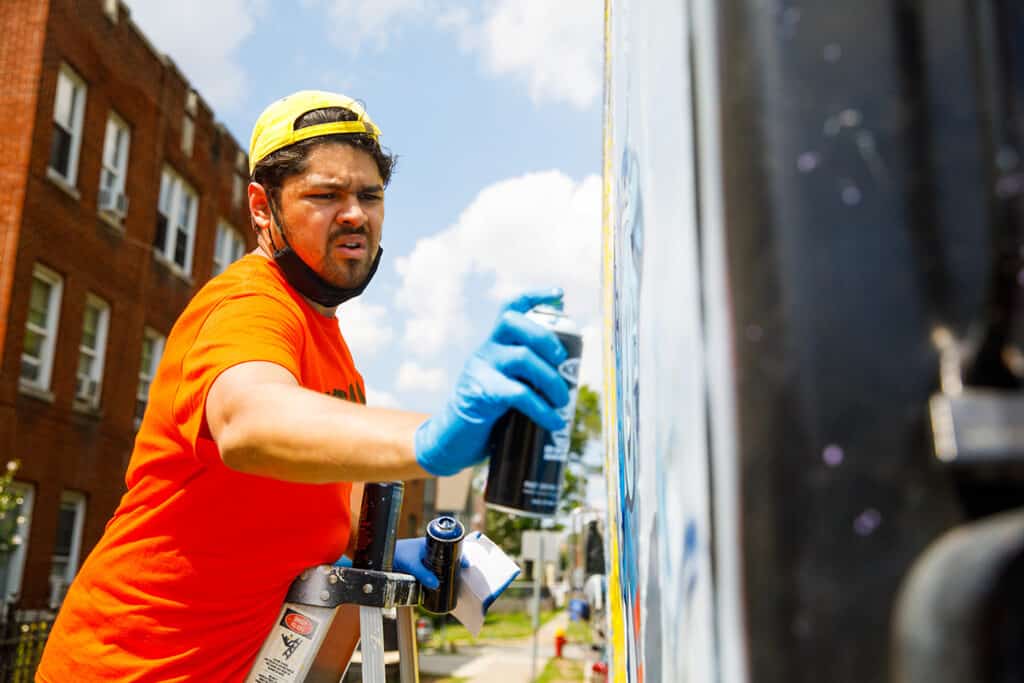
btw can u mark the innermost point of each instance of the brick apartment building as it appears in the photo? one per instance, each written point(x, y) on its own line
point(122, 196)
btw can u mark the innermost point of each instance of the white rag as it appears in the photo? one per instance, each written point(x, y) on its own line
point(484, 574)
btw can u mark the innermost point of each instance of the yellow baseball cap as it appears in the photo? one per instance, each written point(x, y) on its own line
point(275, 128)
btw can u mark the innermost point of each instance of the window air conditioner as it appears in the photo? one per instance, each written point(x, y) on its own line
point(113, 202)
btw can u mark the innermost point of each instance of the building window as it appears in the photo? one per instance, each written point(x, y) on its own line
point(188, 135)
point(188, 124)
point(41, 328)
point(112, 199)
point(15, 525)
point(215, 143)
point(152, 349)
point(110, 9)
point(429, 494)
point(92, 351)
point(68, 112)
point(67, 547)
point(237, 191)
point(229, 248)
point(176, 221)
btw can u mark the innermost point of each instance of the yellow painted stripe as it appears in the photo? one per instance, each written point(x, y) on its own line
point(617, 641)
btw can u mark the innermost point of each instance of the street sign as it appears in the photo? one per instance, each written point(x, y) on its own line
point(533, 542)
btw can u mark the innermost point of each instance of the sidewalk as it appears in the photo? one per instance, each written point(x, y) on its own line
point(508, 661)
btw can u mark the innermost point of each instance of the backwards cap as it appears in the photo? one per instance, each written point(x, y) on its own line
point(275, 128)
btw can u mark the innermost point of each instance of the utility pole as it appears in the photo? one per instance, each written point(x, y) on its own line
point(538, 568)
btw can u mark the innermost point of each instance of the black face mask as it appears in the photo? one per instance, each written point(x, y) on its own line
point(306, 281)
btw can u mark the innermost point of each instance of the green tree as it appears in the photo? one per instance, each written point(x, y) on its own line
point(586, 426)
point(506, 530)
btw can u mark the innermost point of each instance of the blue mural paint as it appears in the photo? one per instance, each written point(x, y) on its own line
point(628, 287)
point(661, 452)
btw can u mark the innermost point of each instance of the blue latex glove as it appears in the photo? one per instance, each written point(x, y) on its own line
point(515, 368)
point(409, 554)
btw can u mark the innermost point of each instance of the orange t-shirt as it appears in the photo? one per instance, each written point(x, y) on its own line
point(192, 570)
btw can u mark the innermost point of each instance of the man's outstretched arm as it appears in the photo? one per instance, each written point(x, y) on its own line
point(265, 423)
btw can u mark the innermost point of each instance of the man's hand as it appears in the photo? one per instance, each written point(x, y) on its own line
point(409, 554)
point(515, 368)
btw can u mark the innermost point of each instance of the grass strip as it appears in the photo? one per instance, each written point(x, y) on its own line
point(561, 671)
point(507, 626)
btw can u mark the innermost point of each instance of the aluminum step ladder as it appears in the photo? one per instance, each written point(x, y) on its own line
point(310, 643)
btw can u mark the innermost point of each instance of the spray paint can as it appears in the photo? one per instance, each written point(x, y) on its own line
point(528, 462)
point(444, 553)
point(378, 525)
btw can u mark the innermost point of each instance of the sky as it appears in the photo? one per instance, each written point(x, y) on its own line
point(494, 110)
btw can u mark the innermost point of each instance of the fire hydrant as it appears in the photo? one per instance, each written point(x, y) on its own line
point(559, 642)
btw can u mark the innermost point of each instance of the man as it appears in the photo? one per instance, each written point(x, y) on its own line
point(243, 466)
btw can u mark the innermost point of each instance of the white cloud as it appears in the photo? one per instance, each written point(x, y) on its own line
point(366, 328)
point(202, 37)
point(436, 266)
point(414, 377)
point(537, 230)
point(355, 22)
point(380, 399)
point(555, 47)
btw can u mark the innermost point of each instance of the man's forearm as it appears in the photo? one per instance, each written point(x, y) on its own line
point(294, 434)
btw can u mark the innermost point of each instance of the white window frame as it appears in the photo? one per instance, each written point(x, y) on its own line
point(59, 583)
point(147, 374)
point(114, 170)
point(228, 247)
point(98, 354)
point(73, 127)
point(49, 332)
point(169, 205)
point(11, 583)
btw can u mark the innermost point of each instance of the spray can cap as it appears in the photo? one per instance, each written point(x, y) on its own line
point(445, 528)
point(551, 307)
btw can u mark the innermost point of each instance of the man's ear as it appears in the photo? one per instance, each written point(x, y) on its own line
point(259, 207)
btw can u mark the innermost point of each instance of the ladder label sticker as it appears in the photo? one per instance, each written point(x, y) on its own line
point(291, 644)
point(299, 623)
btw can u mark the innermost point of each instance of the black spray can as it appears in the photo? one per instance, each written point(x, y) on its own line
point(444, 553)
point(528, 462)
point(378, 525)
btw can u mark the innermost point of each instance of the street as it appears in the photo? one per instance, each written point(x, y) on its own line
point(508, 661)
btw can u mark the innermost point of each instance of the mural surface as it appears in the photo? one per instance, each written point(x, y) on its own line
point(656, 405)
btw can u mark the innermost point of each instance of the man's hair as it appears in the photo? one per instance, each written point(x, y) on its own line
point(276, 167)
